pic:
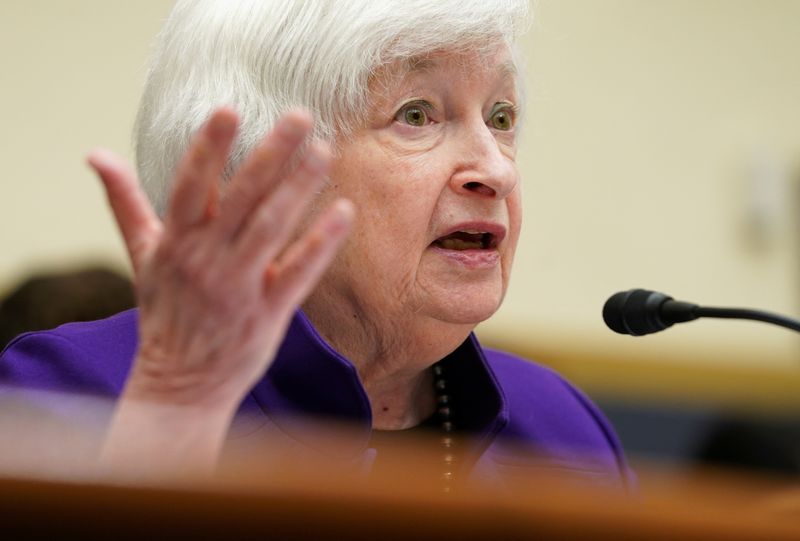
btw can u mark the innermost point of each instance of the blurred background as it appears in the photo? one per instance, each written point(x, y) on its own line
point(661, 149)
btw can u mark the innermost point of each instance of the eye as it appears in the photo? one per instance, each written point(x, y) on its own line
point(414, 114)
point(503, 116)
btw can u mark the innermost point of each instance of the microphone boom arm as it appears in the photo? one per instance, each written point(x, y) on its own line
point(754, 315)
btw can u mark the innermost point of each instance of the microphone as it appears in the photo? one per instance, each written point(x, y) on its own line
point(639, 311)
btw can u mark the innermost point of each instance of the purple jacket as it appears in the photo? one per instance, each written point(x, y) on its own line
point(520, 416)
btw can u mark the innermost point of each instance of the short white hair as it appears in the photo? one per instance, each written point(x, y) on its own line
point(262, 57)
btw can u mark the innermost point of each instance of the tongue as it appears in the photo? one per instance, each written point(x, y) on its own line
point(461, 241)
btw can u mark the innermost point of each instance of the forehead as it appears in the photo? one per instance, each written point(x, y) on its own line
point(494, 64)
point(497, 62)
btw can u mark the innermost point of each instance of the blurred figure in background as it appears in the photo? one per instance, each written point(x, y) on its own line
point(49, 299)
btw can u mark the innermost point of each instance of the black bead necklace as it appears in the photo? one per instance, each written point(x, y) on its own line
point(444, 409)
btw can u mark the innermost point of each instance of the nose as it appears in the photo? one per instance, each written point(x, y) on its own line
point(483, 166)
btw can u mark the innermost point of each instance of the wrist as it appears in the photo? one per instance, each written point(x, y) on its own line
point(149, 439)
point(167, 427)
point(183, 389)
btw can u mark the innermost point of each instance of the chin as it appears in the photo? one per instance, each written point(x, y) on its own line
point(469, 308)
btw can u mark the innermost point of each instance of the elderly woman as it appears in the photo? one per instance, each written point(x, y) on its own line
point(415, 108)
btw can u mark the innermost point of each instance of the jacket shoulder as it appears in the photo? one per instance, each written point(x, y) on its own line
point(88, 357)
point(547, 412)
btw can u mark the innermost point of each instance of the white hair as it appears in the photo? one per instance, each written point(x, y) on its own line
point(262, 57)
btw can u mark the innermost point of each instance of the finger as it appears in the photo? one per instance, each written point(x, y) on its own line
point(271, 224)
point(289, 281)
point(198, 175)
point(138, 223)
point(260, 173)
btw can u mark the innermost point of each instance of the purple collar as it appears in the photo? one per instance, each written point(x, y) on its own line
point(310, 379)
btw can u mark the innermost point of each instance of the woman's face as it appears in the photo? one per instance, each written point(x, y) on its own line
point(436, 189)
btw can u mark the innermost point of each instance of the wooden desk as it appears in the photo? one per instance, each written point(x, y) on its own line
point(298, 503)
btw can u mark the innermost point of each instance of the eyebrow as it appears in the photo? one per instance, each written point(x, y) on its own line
point(508, 69)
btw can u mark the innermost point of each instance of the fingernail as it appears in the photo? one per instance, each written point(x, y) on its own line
point(343, 214)
point(99, 157)
point(224, 123)
point(295, 125)
point(317, 158)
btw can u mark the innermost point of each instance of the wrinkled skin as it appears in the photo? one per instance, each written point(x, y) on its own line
point(438, 151)
point(217, 283)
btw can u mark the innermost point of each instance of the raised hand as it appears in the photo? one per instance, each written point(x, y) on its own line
point(217, 282)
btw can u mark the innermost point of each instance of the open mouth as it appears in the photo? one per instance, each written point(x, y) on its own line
point(467, 240)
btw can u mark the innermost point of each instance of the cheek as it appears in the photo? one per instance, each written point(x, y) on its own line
point(514, 226)
point(394, 203)
point(515, 212)
point(395, 200)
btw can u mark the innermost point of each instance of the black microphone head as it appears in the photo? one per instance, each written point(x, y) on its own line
point(635, 312)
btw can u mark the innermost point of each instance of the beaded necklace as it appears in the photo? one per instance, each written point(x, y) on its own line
point(444, 409)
